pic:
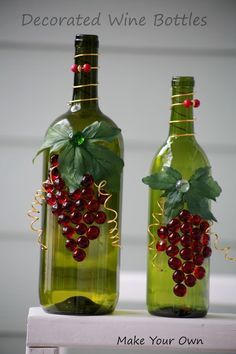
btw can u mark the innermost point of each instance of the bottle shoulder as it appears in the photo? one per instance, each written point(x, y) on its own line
point(183, 154)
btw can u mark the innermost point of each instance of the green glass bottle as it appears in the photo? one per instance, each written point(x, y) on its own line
point(83, 149)
point(179, 215)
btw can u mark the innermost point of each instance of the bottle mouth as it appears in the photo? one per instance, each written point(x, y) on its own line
point(86, 40)
point(183, 81)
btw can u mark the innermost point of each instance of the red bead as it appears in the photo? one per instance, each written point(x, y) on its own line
point(88, 218)
point(87, 180)
point(55, 174)
point(187, 103)
point(74, 68)
point(68, 231)
point(50, 199)
point(204, 226)
point(196, 103)
point(205, 239)
point(186, 253)
point(93, 232)
point(196, 233)
point(48, 186)
point(174, 238)
point(87, 193)
point(86, 68)
point(71, 244)
point(59, 183)
point(63, 219)
point(206, 252)
point(188, 267)
point(81, 229)
point(100, 217)
point(172, 251)
point(75, 195)
point(56, 209)
point(68, 206)
point(174, 225)
point(184, 215)
point(54, 161)
point(83, 242)
point(186, 228)
point(80, 204)
point(61, 197)
point(199, 272)
point(79, 255)
point(174, 263)
point(93, 205)
point(180, 290)
point(196, 247)
point(198, 259)
point(162, 232)
point(196, 219)
point(161, 246)
point(186, 241)
point(190, 280)
point(76, 217)
point(178, 276)
point(102, 197)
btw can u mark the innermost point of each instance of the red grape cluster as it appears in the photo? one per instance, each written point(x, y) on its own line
point(78, 213)
point(185, 240)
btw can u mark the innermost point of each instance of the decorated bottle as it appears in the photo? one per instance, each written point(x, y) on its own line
point(181, 188)
point(82, 182)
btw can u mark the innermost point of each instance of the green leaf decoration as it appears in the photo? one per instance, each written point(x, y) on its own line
point(202, 189)
point(83, 152)
point(164, 180)
point(101, 131)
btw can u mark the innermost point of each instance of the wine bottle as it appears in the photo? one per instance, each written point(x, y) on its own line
point(181, 188)
point(82, 185)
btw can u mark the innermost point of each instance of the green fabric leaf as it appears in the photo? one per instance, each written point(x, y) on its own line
point(205, 184)
point(103, 164)
point(101, 131)
point(67, 167)
point(198, 204)
point(201, 172)
point(56, 137)
point(173, 205)
point(164, 180)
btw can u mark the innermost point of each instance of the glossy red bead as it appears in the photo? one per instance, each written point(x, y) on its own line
point(186, 241)
point(68, 231)
point(199, 272)
point(69, 206)
point(178, 276)
point(93, 205)
point(75, 195)
point(161, 245)
point(56, 209)
point(82, 242)
point(87, 193)
point(61, 197)
point(180, 290)
point(187, 103)
point(100, 217)
point(87, 180)
point(198, 259)
point(79, 255)
point(196, 103)
point(196, 247)
point(93, 232)
point(196, 219)
point(162, 232)
point(188, 267)
point(63, 219)
point(186, 253)
point(81, 229)
point(88, 218)
point(76, 217)
point(50, 199)
point(174, 224)
point(184, 215)
point(59, 183)
point(204, 226)
point(54, 160)
point(190, 280)
point(71, 244)
point(206, 252)
point(174, 263)
point(205, 239)
point(48, 186)
point(196, 233)
point(86, 68)
point(186, 228)
point(74, 68)
point(80, 204)
point(172, 251)
point(54, 174)
point(174, 238)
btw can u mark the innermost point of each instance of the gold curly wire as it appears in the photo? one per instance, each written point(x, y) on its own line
point(225, 250)
point(114, 232)
point(34, 212)
point(151, 244)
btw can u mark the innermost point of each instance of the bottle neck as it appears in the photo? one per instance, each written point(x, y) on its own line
point(181, 119)
point(85, 95)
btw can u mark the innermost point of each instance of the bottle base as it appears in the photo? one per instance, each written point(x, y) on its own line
point(78, 305)
point(178, 312)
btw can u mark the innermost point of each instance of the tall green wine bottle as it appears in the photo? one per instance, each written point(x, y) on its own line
point(82, 182)
point(181, 187)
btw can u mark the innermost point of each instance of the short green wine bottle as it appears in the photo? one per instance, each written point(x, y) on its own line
point(181, 187)
point(83, 150)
